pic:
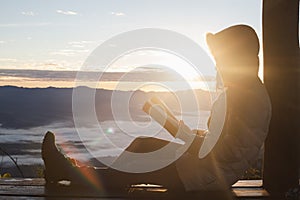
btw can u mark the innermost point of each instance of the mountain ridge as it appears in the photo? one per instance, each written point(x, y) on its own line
point(22, 108)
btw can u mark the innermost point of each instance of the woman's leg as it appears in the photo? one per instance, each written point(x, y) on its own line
point(59, 167)
point(167, 176)
point(149, 144)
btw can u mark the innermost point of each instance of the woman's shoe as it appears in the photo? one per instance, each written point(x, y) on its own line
point(57, 166)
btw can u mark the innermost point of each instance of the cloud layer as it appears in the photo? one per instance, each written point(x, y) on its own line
point(142, 75)
point(118, 14)
point(28, 13)
point(66, 12)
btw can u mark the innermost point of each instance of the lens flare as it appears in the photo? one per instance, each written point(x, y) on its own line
point(110, 130)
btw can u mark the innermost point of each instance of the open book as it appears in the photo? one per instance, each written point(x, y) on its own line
point(162, 114)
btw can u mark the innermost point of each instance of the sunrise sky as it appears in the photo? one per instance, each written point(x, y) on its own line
point(60, 34)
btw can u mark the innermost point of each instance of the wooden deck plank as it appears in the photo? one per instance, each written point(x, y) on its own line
point(250, 192)
point(22, 197)
point(17, 188)
point(24, 190)
point(23, 181)
point(248, 184)
point(41, 182)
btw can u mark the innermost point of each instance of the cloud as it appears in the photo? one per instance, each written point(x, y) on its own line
point(80, 44)
point(2, 42)
point(24, 25)
point(77, 45)
point(49, 75)
point(69, 52)
point(39, 74)
point(7, 60)
point(118, 14)
point(28, 13)
point(66, 12)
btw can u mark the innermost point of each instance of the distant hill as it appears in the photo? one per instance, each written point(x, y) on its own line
point(32, 107)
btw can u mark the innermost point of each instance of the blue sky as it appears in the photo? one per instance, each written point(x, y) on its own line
point(60, 34)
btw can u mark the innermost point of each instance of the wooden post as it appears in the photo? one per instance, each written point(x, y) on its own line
point(281, 72)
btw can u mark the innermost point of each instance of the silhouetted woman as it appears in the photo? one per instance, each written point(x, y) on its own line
point(248, 111)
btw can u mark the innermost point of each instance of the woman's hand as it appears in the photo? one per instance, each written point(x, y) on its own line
point(184, 132)
point(200, 133)
point(184, 128)
point(193, 138)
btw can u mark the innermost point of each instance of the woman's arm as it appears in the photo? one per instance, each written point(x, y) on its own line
point(186, 134)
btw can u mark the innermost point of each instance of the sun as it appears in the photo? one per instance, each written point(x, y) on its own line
point(151, 59)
